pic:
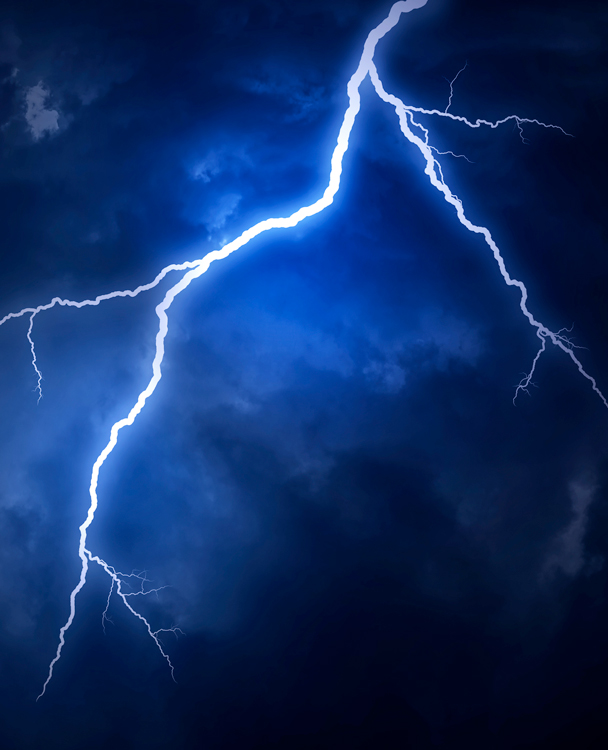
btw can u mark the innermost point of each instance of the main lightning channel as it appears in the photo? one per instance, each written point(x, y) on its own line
point(197, 268)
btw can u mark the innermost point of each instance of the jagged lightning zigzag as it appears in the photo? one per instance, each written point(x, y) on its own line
point(403, 112)
point(198, 267)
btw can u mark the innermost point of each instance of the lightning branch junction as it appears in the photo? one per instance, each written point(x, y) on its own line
point(129, 586)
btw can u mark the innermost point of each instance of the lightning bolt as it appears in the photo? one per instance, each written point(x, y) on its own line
point(192, 270)
point(433, 171)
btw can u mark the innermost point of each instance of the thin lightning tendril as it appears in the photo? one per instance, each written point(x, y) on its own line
point(104, 615)
point(38, 387)
point(452, 82)
point(451, 153)
point(194, 269)
point(519, 121)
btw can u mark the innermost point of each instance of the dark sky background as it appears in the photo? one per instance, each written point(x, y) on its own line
point(365, 543)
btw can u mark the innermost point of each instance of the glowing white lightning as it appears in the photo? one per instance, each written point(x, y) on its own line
point(433, 171)
point(196, 268)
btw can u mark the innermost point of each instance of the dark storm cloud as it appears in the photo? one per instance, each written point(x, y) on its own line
point(358, 527)
point(76, 79)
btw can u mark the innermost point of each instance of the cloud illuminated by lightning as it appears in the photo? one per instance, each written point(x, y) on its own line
point(194, 269)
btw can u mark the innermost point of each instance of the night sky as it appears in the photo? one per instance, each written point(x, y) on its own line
point(365, 542)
